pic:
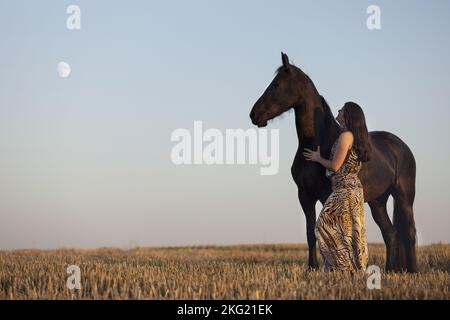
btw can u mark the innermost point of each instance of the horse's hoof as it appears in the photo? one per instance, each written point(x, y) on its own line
point(313, 268)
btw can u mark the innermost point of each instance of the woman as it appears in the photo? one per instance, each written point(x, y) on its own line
point(340, 228)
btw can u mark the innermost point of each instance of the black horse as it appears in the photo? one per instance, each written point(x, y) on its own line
point(391, 170)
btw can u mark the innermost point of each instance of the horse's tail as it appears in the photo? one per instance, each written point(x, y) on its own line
point(404, 194)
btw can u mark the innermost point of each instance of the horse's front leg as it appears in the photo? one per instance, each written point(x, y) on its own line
point(309, 208)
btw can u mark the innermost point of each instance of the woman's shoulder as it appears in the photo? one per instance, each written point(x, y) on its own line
point(346, 135)
point(346, 132)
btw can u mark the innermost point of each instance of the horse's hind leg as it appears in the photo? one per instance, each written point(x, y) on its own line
point(406, 230)
point(381, 217)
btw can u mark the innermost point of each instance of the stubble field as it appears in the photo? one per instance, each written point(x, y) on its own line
point(212, 272)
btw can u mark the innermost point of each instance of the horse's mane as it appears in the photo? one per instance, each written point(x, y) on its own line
point(329, 117)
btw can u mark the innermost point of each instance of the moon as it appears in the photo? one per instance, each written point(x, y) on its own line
point(64, 69)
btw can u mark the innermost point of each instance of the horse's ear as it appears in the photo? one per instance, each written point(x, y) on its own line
point(285, 60)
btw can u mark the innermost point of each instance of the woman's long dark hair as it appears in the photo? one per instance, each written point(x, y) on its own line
point(356, 123)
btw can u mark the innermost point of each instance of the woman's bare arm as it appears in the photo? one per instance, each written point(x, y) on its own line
point(345, 140)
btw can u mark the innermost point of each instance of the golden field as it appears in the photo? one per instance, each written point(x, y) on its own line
point(212, 272)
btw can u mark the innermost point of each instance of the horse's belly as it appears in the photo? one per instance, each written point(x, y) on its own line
point(375, 182)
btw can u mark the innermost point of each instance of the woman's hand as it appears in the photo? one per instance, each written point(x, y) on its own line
point(312, 155)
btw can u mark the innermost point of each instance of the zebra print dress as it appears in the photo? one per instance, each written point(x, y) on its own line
point(340, 229)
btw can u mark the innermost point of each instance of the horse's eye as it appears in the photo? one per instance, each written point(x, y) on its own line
point(276, 85)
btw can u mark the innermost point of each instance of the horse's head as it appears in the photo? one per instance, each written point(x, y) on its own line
point(283, 93)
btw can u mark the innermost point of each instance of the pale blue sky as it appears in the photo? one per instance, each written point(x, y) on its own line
point(85, 161)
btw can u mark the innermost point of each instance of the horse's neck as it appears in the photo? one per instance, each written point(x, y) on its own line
point(313, 129)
